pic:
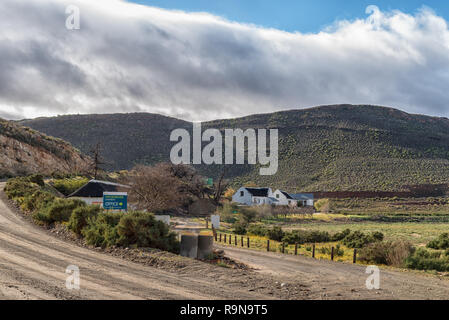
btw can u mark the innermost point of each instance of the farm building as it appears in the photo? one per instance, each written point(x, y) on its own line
point(254, 196)
point(265, 196)
point(92, 192)
point(293, 199)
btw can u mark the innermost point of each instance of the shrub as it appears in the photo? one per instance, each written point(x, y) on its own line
point(257, 230)
point(341, 235)
point(102, 230)
point(322, 205)
point(423, 259)
point(306, 236)
point(227, 213)
point(359, 239)
point(37, 201)
point(442, 242)
point(59, 210)
point(142, 229)
point(69, 185)
point(240, 228)
point(80, 218)
point(388, 253)
point(275, 234)
point(338, 251)
point(37, 179)
point(247, 214)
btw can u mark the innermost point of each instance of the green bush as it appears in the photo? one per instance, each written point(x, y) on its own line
point(257, 230)
point(341, 235)
point(359, 239)
point(80, 218)
point(38, 200)
point(37, 179)
point(338, 251)
point(275, 234)
point(442, 242)
point(59, 210)
point(306, 236)
point(240, 228)
point(69, 185)
point(424, 259)
point(102, 230)
point(142, 229)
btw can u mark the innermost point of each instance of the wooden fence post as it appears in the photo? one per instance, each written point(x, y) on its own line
point(220, 237)
point(313, 251)
point(247, 242)
point(225, 238)
point(296, 249)
point(235, 240)
point(207, 224)
point(283, 247)
point(230, 239)
point(354, 259)
point(332, 253)
point(216, 237)
point(242, 242)
point(268, 245)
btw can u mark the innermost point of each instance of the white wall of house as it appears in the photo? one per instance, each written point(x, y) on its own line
point(281, 198)
point(242, 196)
point(309, 203)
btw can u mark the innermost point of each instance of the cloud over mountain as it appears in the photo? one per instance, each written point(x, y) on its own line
point(128, 57)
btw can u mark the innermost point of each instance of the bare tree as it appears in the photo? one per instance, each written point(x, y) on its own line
point(220, 188)
point(97, 160)
point(153, 190)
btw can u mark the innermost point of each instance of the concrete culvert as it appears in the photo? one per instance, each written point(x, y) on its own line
point(205, 246)
point(189, 245)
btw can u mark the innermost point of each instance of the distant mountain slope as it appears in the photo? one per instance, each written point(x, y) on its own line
point(328, 148)
point(25, 151)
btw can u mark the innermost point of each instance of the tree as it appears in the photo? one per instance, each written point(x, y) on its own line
point(97, 161)
point(153, 190)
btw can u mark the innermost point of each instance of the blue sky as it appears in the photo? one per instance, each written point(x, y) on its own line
point(296, 15)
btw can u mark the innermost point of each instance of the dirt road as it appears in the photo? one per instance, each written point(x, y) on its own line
point(333, 280)
point(33, 264)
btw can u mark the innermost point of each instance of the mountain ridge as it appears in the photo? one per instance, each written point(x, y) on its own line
point(324, 148)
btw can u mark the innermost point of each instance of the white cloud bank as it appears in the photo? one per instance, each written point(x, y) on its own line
point(128, 57)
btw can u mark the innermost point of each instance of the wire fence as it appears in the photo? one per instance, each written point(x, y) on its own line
point(316, 251)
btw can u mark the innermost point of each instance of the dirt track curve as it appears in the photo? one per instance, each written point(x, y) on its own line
point(33, 264)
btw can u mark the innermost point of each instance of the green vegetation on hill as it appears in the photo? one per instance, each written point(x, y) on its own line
point(329, 148)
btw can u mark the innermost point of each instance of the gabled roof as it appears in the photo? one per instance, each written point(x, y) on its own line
point(95, 189)
point(258, 192)
point(286, 194)
point(302, 196)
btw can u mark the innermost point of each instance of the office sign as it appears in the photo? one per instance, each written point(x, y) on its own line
point(115, 200)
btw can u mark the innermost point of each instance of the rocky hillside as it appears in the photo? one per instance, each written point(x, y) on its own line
point(25, 151)
point(328, 148)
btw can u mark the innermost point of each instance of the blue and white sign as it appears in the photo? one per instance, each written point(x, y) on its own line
point(115, 201)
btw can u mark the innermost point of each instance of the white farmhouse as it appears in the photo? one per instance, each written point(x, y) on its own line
point(254, 196)
point(293, 199)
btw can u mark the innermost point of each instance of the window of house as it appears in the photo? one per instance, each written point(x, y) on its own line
point(277, 195)
point(242, 193)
